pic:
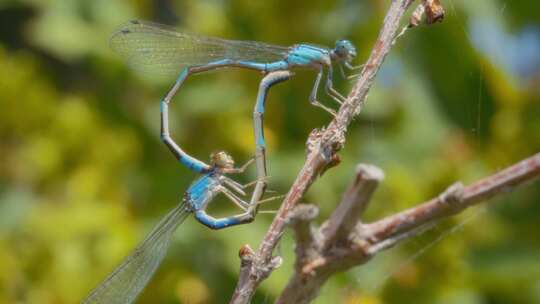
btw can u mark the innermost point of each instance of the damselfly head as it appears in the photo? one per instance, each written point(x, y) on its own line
point(222, 159)
point(345, 50)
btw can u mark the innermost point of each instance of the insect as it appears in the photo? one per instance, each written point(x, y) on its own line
point(127, 281)
point(148, 45)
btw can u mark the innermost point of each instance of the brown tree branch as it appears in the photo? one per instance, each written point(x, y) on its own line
point(344, 219)
point(324, 144)
point(344, 242)
point(454, 200)
point(335, 232)
point(369, 239)
point(306, 236)
point(299, 220)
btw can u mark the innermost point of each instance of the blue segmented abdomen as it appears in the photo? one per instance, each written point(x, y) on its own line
point(192, 163)
point(214, 223)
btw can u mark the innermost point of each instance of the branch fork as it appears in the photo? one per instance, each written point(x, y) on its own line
point(343, 241)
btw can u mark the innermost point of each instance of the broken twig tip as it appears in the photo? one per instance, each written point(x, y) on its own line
point(246, 253)
point(303, 213)
point(369, 172)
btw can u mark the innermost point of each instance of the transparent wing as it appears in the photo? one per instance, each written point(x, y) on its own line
point(127, 281)
point(154, 47)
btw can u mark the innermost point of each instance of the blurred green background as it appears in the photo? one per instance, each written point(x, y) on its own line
point(84, 176)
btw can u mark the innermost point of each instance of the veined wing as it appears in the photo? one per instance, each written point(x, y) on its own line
point(151, 46)
point(127, 281)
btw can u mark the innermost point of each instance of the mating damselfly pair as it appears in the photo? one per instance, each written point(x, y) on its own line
point(152, 46)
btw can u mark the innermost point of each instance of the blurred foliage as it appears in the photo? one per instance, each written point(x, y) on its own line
point(84, 176)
